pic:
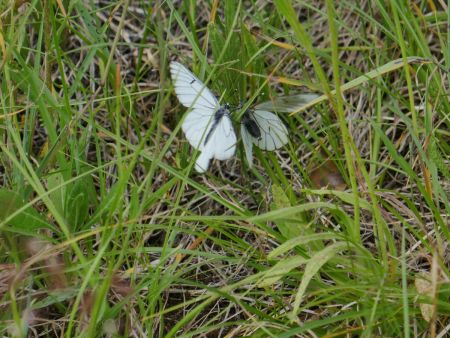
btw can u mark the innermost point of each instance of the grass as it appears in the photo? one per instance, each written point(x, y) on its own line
point(106, 229)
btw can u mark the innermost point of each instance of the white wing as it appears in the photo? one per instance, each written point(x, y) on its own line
point(191, 92)
point(248, 145)
point(274, 134)
point(287, 104)
point(221, 144)
point(224, 139)
point(202, 162)
point(196, 126)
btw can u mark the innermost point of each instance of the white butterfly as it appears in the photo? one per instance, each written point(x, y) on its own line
point(207, 125)
point(264, 129)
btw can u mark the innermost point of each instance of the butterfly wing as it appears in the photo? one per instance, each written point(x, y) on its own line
point(248, 145)
point(202, 162)
point(287, 104)
point(192, 93)
point(196, 126)
point(221, 144)
point(274, 133)
point(225, 139)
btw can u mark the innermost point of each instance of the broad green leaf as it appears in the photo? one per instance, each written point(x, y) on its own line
point(290, 211)
point(56, 297)
point(77, 206)
point(58, 191)
point(279, 270)
point(288, 229)
point(312, 267)
point(292, 243)
point(78, 198)
point(27, 221)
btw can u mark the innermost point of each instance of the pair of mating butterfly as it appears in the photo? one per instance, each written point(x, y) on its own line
point(208, 126)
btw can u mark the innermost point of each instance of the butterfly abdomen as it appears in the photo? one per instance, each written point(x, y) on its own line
point(251, 126)
point(219, 114)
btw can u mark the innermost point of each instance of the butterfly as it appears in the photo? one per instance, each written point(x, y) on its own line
point(264, 129)
point(207, 125)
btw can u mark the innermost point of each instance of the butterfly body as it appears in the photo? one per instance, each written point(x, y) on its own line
point(218, 115)
point(251, 125)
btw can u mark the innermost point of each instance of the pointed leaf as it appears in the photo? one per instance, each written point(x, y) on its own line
point(300, 240)
point(312, 268)
point(288, 229)
point(281, 269)
point(26, 221)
